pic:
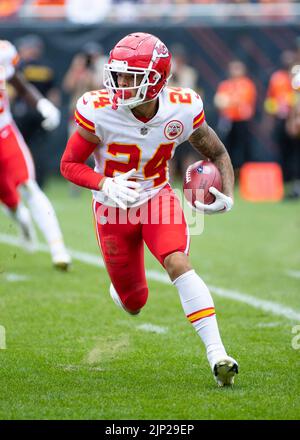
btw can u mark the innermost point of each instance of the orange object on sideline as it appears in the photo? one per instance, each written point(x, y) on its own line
point(9, 7)
point(49, 2)
point(261, 182)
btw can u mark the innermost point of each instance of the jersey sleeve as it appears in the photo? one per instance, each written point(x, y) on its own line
point(9, 58)
point(197, 110)
point(85, 113)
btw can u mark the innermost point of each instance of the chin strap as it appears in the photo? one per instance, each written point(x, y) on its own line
point(118, 95)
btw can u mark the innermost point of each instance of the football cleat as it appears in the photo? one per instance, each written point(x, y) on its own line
point(61, 261)
point(225, 370)
point(116, 299)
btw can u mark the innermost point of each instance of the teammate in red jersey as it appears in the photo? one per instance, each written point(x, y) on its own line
point(132, 129)
point(17, 174)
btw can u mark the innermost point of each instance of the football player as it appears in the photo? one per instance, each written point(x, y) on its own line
point(132, 128)
point(17, 174)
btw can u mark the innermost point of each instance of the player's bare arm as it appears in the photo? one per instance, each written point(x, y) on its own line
point(90, 137)
point(26, 90)
point(206, 141)
point(36, 100)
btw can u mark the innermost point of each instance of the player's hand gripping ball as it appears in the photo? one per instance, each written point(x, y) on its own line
point(199, 177)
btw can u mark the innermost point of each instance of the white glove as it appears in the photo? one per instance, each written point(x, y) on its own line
point(222, 203)
point(50, 113)
point(121, 190)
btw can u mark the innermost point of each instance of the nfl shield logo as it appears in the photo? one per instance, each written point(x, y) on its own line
point(144, 131)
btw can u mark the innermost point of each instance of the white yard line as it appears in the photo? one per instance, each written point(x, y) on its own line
point(94, 260)
point(269, 324)
point(261, 304)
point(14, 277)
point(83, 257)
point(147, 327)
point(293, 273)
point(2, 338)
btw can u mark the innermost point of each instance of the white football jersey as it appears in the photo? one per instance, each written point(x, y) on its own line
point(127, 142)
point(8, 59)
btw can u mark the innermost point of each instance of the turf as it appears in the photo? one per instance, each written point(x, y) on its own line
point(72, 354)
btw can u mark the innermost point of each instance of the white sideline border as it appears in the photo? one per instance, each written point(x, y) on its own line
point(15, 278)
point(94, 260)
point(293, 273)
point(151, 328)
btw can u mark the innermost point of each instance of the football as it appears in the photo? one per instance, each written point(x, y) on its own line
point(199, 177)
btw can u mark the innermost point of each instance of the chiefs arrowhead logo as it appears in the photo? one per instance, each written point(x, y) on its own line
point(160, 51)
point(173, 129)
point(86, 98)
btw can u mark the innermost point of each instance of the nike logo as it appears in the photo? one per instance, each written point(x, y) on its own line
point(84, 101)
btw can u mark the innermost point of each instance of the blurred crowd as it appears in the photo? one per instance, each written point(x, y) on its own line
point(235, 102)
point(93, 11)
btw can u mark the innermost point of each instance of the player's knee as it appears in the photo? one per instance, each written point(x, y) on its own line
point(177, 264)
point(136, 299)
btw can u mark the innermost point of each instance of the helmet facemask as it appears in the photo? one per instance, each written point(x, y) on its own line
point(133, 95)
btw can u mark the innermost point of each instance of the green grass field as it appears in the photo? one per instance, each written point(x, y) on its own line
point(72, 354)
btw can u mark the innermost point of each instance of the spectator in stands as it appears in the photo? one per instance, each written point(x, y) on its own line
point(182, 72)
point(235, 100)
point(49, 9)
point(183, 75)
point(293, 131)
point(126, 11)
point(85, 73)
point(37, 71)
point(279, 101)
point(87, 11)
point(49, 2)
point(9, 8)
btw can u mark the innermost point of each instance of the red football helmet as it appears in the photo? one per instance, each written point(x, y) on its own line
point(147, 59)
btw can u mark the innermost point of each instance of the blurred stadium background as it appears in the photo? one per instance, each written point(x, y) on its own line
point(205, 35)
point(63, 45)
